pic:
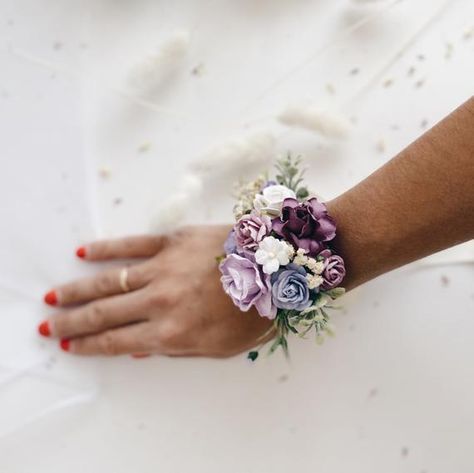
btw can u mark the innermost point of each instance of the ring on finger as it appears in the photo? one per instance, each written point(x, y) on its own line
point(123, 280)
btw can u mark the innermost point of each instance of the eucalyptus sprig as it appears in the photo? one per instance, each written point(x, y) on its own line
point(315, 318)
point(291, 176)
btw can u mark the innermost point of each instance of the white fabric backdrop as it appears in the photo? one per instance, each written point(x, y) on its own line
point(392, 392)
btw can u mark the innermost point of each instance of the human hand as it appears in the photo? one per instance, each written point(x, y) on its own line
point(176, 305)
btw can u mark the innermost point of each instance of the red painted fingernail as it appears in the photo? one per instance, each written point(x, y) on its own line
point(64, 344)
point(140, 355)
point(51, 298)
point(43, 329)
point(81, 252)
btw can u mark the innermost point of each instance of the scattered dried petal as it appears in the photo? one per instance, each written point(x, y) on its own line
point(380, 146)
point(198, 70)
point(144, 147)
point(444, 280)
point(104, 172)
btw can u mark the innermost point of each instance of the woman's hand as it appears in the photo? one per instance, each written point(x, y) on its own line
point(175, 306)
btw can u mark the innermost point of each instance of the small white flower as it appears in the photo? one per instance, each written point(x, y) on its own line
point(317, 267)
point(239, 210)
point(314, 281)
point(271, 199)
point(300, 260)
point(272, 254)
point(291, 251)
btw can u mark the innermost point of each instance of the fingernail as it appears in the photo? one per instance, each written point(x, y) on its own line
point(140, 355)
point(64, 344)
point(51, 298)
point(81, 252)
point(43, 329)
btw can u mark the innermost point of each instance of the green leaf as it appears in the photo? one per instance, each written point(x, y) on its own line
point(252, 355)
point(292, 328)
point(275, 344)
point(284, 345)
point(292, 171)
point(336, 292)
point(302, 193)
point(319, 339)
point(220, 258)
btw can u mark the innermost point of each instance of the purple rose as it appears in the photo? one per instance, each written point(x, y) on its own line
point(325, 254)
point(247, 285)
point(334, 270)
point(230, 246)
point(306, 225)
point(290, 288)
point(250, 230)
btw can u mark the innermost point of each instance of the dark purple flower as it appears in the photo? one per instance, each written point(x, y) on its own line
point(250, 230)
point(290, 288)
point(334, 270)
point(230, 245)
point(306, 225)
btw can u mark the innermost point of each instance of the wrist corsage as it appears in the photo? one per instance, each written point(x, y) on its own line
point(278, 256)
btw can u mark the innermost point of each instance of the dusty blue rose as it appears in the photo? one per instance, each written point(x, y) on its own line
point(306, 225)
point(290, 288)
point(245, 283)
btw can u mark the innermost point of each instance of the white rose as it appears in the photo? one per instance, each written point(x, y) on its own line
point(271, 199)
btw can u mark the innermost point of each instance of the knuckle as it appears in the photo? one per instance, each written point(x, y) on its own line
point(105, 283)
point(170, 335)
point(136, 276)
point(183, 232)
point(95, 316)
point(107, 344)
point(161, 299)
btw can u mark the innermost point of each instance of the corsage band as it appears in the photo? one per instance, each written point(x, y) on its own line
point(278, 256)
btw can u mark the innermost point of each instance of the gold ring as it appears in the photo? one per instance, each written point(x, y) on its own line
point(123, 280)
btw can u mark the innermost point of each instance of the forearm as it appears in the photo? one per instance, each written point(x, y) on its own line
point(420, 202)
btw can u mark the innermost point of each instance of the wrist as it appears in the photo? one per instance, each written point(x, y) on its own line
point(359, 243)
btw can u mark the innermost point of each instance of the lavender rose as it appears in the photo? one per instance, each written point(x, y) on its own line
point(290, 288)
point(306, 225)
point(247, 285)
point(250, 230)
point(334, 270)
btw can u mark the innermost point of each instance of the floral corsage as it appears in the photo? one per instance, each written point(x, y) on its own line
point(278, 256)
